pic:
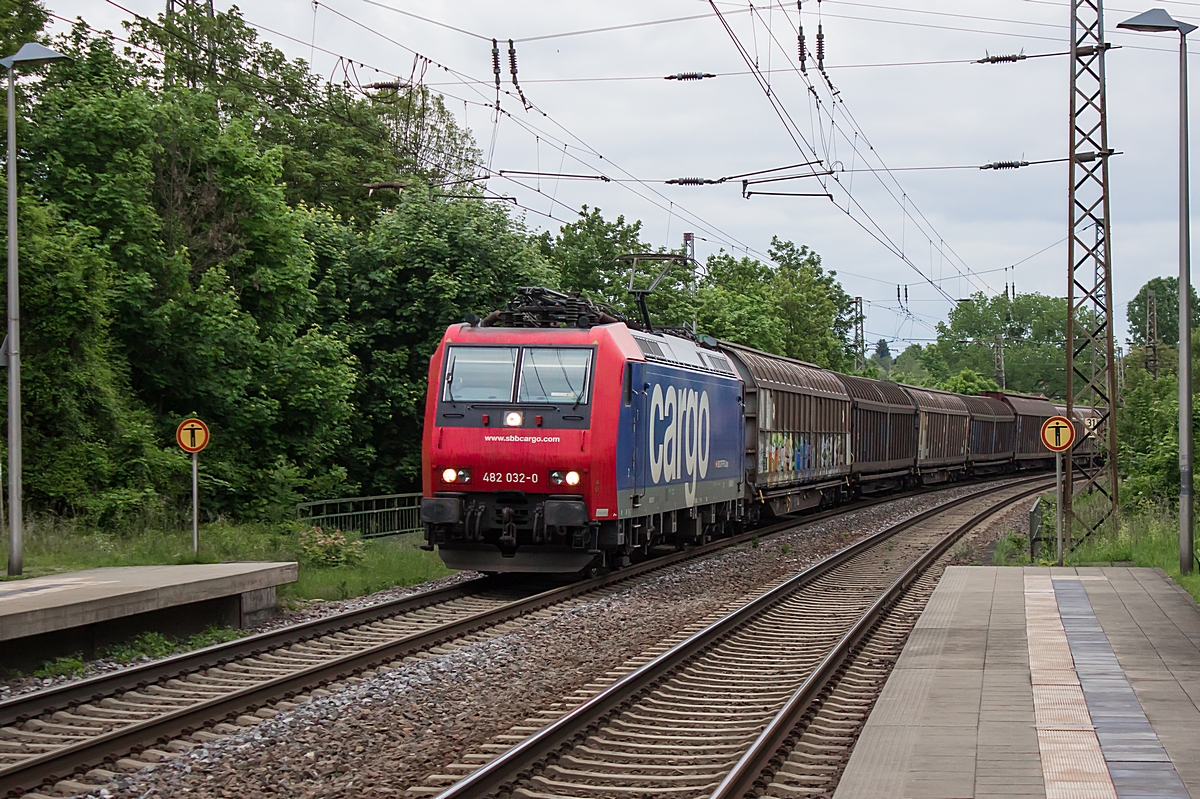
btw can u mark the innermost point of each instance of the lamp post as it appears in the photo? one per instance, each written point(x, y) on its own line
point(31, 55)
point(1157, 20)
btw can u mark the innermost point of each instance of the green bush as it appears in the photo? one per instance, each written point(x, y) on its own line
point(321, 548)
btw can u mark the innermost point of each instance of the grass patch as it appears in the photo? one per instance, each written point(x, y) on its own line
point(153, 645)
point(1148, 537)
point(968, 552)
point(67, 666)
point(331, 566)
point(386, 562)
point(1011, 550)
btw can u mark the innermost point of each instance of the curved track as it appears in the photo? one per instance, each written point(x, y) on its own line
point(711, 715)
point(49, 735)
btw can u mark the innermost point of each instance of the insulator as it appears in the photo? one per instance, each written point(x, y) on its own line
point(690, 181)
point(496, 62)
point(1005, 165)
point(690, 76)
point(802, 50)
point(820, 47)
point(1002, 59)
point(512, 60)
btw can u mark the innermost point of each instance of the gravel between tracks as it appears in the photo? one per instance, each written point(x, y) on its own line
point(378, 737)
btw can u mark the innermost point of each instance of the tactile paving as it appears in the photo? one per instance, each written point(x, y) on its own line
point(1073, 764)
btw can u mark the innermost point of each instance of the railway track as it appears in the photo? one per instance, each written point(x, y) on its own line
point(137, 716)
point(765, 699)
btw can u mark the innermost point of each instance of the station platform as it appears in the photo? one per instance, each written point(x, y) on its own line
point(82, 612)
point(1040, 682)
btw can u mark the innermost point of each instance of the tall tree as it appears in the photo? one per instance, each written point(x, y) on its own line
point(1030, 327)
point(21, 21)
point(1166, 291)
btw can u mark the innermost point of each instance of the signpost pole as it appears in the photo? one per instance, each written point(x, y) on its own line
point(196, 504)
point(1058, 506)
point(192, 436)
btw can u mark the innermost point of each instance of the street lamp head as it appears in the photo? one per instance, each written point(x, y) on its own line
point(1156, 20)
point(33, 55)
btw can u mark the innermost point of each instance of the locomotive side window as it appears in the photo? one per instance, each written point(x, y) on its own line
point(555, 375)
point(480, 374)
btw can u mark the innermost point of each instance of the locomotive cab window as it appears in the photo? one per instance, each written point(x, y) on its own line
point(555, 375)
point(480, 374)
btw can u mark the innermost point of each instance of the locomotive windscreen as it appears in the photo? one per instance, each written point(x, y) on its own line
point(547, 374)
point(554, 374)
point(480, 374)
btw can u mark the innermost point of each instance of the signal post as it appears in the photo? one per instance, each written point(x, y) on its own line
point(1058, 435)
point(192, 436)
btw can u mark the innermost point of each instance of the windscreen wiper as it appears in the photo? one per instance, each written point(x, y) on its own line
point(583, 390)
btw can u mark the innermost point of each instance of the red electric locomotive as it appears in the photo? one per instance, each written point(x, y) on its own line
point(552, 443)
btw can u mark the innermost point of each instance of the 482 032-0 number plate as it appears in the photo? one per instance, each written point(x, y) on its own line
point(514, 478)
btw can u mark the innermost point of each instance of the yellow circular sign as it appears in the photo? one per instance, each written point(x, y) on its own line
point(192, 435)
point(1058, 434)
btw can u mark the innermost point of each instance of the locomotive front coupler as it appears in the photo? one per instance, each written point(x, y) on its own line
point(508, 535)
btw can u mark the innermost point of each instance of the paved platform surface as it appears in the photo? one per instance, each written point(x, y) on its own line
point(43, 605)
point(1041, 682)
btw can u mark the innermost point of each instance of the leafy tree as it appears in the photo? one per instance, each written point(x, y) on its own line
point(735, 303)
point(330, 140)
point(969, 382)
point(1166, 290)
point(882, 357)
point(908, 367)
point(1030, 327)
point(585, 253)
point(90, 446)
point(817, 313)
point(21, 21)
point(391, 294)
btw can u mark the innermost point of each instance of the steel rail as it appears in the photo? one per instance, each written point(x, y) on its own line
point(60, 763)
point(31, 705)
point(776, 741)
point(499, 774)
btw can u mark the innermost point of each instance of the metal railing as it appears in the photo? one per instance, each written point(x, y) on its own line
point(370, 517)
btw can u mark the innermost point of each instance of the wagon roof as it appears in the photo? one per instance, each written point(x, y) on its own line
point(932, 399)
point(989, 408)
point(1027, 405)
point(778, 371)
point(882, 392)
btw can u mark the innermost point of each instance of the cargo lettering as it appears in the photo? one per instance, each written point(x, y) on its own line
point(679, 437)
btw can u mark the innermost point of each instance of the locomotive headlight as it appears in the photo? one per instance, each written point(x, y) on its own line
point(456, 476)
point(560, 476)
point(513, 419)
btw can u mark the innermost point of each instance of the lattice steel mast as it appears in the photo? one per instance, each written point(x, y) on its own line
point(860, 337)
point(1091, 361)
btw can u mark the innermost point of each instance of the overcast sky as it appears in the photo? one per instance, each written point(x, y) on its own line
point(602, 107)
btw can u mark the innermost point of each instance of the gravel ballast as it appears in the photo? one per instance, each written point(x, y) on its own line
point(380, 735)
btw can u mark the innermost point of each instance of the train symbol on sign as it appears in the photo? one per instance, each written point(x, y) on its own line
point(1058, 434)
